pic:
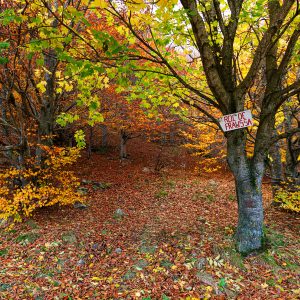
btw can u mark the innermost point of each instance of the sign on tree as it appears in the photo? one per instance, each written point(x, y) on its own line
point(238, 120)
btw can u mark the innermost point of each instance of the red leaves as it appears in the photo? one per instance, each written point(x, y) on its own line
point(159, 247)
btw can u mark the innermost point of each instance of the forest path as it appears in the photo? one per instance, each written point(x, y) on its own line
point(148, 235)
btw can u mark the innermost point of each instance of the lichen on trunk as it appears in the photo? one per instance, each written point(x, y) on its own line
point(248, 181)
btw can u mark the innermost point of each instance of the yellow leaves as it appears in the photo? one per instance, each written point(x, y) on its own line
point(296, 291)
point(208, 292)
point(97, 278)
point(136, 5)
point(215, 262)
point(41, 258)
point(203, 140)
point(105, 81)
point(100, 4)
point(167, 3)
point(65, 85)
point(158, 270)
point(279, 118)
point(37, 73)
point(85, 2)
point(42, 35)
point(288, 200)
point(45, 186)
point(42, 86)
point(68, 87)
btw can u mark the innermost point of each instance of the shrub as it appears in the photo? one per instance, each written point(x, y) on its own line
point(23, 190)
point(289, 200)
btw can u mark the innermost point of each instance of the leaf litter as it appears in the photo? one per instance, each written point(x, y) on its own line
point(174, 240)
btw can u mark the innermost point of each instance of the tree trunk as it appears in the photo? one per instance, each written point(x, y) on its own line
point(104, 134)
point(276, 168)
point(249, 235)
point(123, 141)
point(91, 139)
point(46, 118)
point(291, 161)
point(248, 181)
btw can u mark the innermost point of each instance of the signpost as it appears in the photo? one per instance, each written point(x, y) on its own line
point(238, 120)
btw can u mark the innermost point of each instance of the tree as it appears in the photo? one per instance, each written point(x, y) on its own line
point(212, 29)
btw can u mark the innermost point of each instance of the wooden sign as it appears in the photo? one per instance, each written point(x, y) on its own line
point(238, 120)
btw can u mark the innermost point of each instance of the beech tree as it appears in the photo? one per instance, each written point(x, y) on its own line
point(212, 29)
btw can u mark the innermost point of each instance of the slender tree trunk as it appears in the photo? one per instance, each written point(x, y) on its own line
point(104, 134)
point(123, 141)
point(91, 141)
point(276, 168)
point(3, 95)
point(3, 114)
point(291, 162)
point(48, 107)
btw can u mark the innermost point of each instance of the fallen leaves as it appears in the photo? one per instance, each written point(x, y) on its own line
point(178, 246)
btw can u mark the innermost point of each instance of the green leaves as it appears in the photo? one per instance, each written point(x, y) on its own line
point(4, 45)
point(222, 283)
point(80, 138)
point(9, 16)
point(3, 60)
point(64, 118)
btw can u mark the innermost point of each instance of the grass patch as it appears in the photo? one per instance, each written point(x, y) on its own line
point(161, 194)
point(232, 197)
point(3, 252)
point(27, 238)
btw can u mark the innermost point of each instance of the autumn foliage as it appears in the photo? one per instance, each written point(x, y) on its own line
point(289, 200)
point(22, 191)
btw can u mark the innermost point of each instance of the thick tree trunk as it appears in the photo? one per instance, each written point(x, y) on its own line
point(249, 235)
point(248, 181)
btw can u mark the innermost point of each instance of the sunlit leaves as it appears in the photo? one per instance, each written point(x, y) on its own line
point(99, 3)
point(80, 138)
point(44, 186)
point(42, 86)
point(64, 118)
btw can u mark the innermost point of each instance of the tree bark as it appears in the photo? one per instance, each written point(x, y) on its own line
point(104, 134)
point(123, 146)
point(290, 157)
point(276, 163)
point(248, 181)
point(91, 141)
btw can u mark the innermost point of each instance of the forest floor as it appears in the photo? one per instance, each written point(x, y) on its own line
point(148, 235)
